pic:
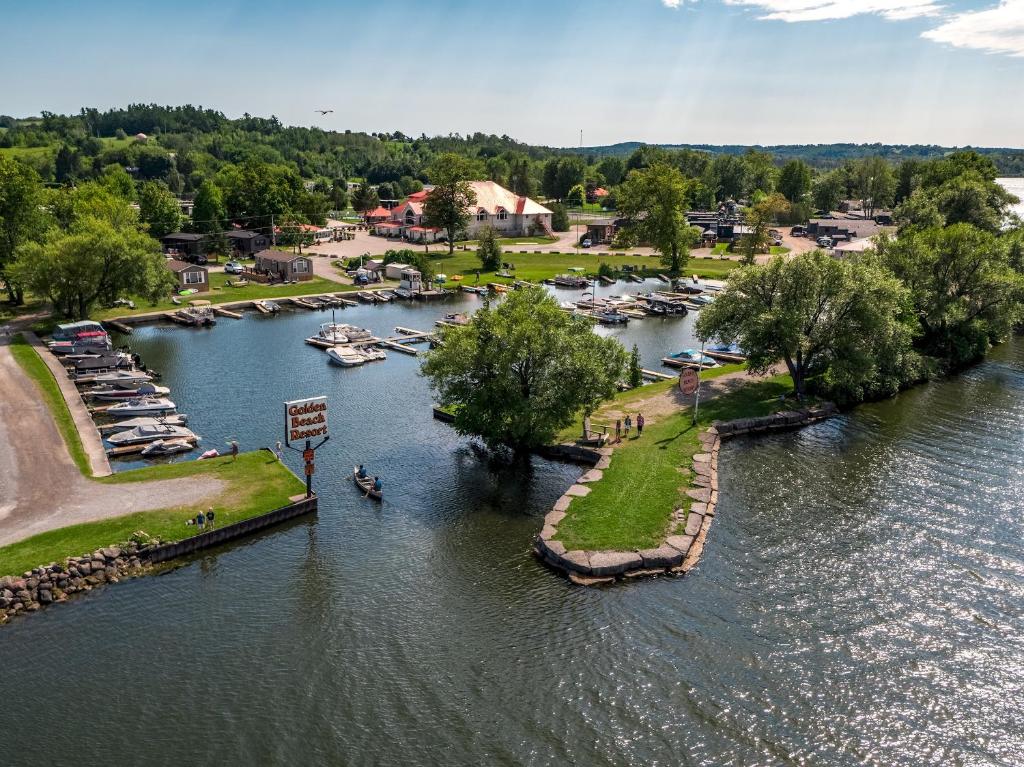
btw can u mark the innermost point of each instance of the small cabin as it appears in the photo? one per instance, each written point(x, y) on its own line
point(184, 245)
point(189, 275)
point(411, 280)
point(281, 265)
point(394, 271)
point(245, 243)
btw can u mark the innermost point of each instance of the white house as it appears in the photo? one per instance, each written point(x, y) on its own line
point(510, 214)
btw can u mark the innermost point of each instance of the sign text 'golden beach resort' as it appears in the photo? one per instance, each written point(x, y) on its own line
point(305, 419)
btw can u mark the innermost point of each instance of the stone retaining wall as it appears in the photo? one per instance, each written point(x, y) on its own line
point(55, 582)
point(681, 550)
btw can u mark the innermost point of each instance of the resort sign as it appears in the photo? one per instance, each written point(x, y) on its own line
point(305, 419)
point(689, 380)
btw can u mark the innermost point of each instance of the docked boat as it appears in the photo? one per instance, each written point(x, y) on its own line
point(404, 293)
point(572, 281)
point(334, 333)
point(568, 306)
point(85, 342)
point(694, 356)
point(611, 317)
point(122, 379)
point(196, 316)
point(733, 348)
point(167, 447)
point(346, 356)
point(143, 434)
point(113, 394)
point(144, 420)
point(497, 287)
point(142, 406)
point(366, 485)
point(267, 307)
point(456, 319)
point(473, 289)
point(356, 333)
point(703, 299)
point(366, 297)
point(373, 355)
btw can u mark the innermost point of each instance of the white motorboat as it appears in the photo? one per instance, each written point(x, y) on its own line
point(345, 356)
point(122, 379)
point(142, 406)
point(372, 355)
point(145, 420)
point(356, 333)
point(334, 333)
point(142, 434)
point(167, 447)
point(113, 393)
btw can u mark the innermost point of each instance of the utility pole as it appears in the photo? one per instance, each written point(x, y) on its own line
point(273, 233)
point(700, 366)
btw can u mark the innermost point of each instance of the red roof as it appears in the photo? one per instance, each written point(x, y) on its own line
point(424, 229)
point(600, 192)
point(419, 196)
point(377, 212)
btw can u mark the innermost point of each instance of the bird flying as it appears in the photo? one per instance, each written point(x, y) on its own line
point(323, 111)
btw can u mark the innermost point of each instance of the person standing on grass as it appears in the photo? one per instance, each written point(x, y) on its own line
point(618, 430)
point(640, 424)
point(628, 425)
point(200, 520)
point(209, 517)
point(234, 450)
point(279, 451)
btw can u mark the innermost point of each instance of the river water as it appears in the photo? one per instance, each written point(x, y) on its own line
point(860, 600)
point(1014, 186)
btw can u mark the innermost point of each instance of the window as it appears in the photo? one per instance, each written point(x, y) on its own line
point(194, 278)
point(481, 214)
point(300, 265)
point(410, 218)
point(502, 214)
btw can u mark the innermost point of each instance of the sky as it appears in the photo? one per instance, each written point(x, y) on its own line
point(947, 72)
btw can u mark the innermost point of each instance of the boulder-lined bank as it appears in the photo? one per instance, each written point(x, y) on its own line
point(57, 581)
point(680, 551)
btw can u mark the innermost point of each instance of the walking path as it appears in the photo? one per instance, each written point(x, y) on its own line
point(41, 488)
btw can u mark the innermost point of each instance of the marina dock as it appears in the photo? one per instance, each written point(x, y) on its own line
point(226, 312)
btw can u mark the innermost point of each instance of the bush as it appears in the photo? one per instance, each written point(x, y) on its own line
point(559, 218)
point(605, 270)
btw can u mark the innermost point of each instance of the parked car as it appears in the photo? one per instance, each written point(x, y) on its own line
point(233, 267)
point(824, 242)
point(198, 259)
point(798, 231)
point(586, 243)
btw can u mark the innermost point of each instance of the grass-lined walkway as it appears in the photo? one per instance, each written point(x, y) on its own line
point(631, 506)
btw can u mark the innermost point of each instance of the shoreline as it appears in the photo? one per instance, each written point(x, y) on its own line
point(678, 553)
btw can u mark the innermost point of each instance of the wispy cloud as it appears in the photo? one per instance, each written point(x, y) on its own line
point(999, 29)
point(824, 10)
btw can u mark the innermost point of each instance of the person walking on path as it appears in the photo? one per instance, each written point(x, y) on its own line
point(618, 430)
point(640, 424)
point(628, 425)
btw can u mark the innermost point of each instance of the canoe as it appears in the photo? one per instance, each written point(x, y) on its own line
point(365, 484)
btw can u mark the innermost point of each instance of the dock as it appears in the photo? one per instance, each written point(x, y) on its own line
point(656, 376)
point(173, 317)
point(258, 306)
point(674, 363)
point(134, 449)
point(392, 344)
point(226, 312)
point(303, 303)
point(120, 327)
point(725, 356)
point(320, 343)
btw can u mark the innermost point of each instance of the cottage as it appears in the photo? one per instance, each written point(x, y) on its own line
point(189, 275)
point(854, 247)
point(245, 243)
point(184, 245)
point(842, 228)
point(377, 215)
point(600, 230)
point(282, 265)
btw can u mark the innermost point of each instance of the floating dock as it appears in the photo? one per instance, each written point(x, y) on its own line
point(226, 312)
point(391, 344)
point(134, 449)
point(674, 363)
point(118, 326)
point(725, 356)
point(656, 376)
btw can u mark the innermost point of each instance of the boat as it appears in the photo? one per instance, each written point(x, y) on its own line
point(333, 332)
point(122, 379)
point(383, 297)
point(196, 316)
point(373, 355)
point(345, 356)
point(692, 355)
point(167, 447)
point(367, 297)
point(457, 318)
point(387, 294)
point(473, 289)
point(497, 287)
point(143, 434)
point(703, 300)
point(112, 393)
point(568, 306)
point(142, 406)
point(687, 286)
point(356, 333)
point(732, 348)
point(611, 317)
point(268, 307)
point(366, 485)
point(403, 293)
point(572, 281)
point(131, 423)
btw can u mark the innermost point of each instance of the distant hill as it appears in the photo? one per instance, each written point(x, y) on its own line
point(1009, 160)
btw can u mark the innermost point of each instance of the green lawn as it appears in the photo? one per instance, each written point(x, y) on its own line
point(221, 293)
point(535, 267)
point(631, 506)
point(722, 249)
point(256, 483)
point(27, 152)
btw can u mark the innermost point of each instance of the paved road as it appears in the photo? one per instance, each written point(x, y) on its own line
point(41, 488)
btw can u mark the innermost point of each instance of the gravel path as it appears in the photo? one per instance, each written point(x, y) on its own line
point(41, 488)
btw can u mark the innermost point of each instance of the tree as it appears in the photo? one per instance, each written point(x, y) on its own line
point(577, 196)
point(522, 371)
point(559, 217)
point(654, 200)
point(964, 289)
point(102, 257)
point(843, 320)
point(613, 169)
point(761, 174)
point(760, 216)
point(116, 179)
point(827, 191)
point(727, 176)
point(21, 220)
point(488, 250)
point(159, 209)
point(561, 174)
point(447, 205)
point(795, 181)
point(208, 212)
point(520, 180)
point(875, 183)
point(636, 376)
point(365, 198)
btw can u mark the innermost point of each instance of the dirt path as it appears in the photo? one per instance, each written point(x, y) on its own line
point(41, 488)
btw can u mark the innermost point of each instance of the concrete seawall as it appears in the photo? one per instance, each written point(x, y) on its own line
point(680, 551)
